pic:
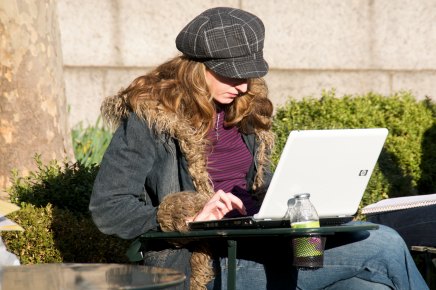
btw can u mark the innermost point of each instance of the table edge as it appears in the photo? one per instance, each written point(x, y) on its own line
point(229, 233)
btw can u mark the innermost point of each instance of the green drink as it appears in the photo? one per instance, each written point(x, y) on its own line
point(307, 246)
point(309, 249)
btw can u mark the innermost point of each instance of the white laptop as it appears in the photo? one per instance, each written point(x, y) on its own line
point(333, 165)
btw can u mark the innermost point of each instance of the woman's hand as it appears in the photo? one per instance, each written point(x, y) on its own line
point(219, 205)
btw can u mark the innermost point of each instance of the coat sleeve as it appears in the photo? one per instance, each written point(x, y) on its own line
point(117, 203)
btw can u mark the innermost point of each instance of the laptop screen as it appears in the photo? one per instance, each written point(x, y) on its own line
point(334, 166)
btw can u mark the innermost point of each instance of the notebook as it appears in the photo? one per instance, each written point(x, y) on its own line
point(333, 165)
point(399, 203)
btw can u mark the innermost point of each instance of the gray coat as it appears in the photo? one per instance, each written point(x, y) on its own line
point(153, 154)
point(138, 169)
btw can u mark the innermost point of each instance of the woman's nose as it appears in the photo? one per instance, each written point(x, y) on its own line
point(242, 87)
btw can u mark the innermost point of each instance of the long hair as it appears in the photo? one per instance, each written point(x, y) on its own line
point(179, 85)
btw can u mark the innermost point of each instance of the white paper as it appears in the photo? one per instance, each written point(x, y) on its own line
point(398, 203)
point(8, 225)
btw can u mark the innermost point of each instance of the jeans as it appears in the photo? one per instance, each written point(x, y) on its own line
point(376, 259)
point(417, 226)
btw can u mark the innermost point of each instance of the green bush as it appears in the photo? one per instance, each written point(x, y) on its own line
point(407, 164)
point(36, 244)
point(54, 214)
point(65, 186)
point(54, 199)
point(90, 142)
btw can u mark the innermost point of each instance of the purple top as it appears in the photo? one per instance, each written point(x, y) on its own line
point(229, 162)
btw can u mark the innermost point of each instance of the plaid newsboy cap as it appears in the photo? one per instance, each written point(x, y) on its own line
point(228, 41)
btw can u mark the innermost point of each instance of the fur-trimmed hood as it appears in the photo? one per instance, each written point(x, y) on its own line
point(192, 144)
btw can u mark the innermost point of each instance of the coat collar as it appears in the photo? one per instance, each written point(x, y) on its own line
point(192, 144)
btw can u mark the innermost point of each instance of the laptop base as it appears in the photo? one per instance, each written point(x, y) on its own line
point(250, 223)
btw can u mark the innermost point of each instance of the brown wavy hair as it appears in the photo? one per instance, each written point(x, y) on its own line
point(179, 85)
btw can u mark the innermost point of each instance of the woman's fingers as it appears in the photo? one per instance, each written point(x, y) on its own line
point(211, 211)
point(219, 205)
point(225, 197)
point(237, 204)
point(231, 201)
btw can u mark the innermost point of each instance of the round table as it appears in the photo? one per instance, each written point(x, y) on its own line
point(87, 276)
point(233, 235)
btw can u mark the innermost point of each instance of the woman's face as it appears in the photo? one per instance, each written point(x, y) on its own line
point(223, 89)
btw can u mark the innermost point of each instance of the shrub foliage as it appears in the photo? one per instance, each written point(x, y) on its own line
point(407, 164)
point(90, 142)
point(54, 214)
point(54, 199)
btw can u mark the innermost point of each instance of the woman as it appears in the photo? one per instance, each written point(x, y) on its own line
point(192, 143)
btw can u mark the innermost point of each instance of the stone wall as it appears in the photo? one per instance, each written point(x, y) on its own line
point(353, 46)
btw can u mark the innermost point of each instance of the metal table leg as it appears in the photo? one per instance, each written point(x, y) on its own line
point(231, 255)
